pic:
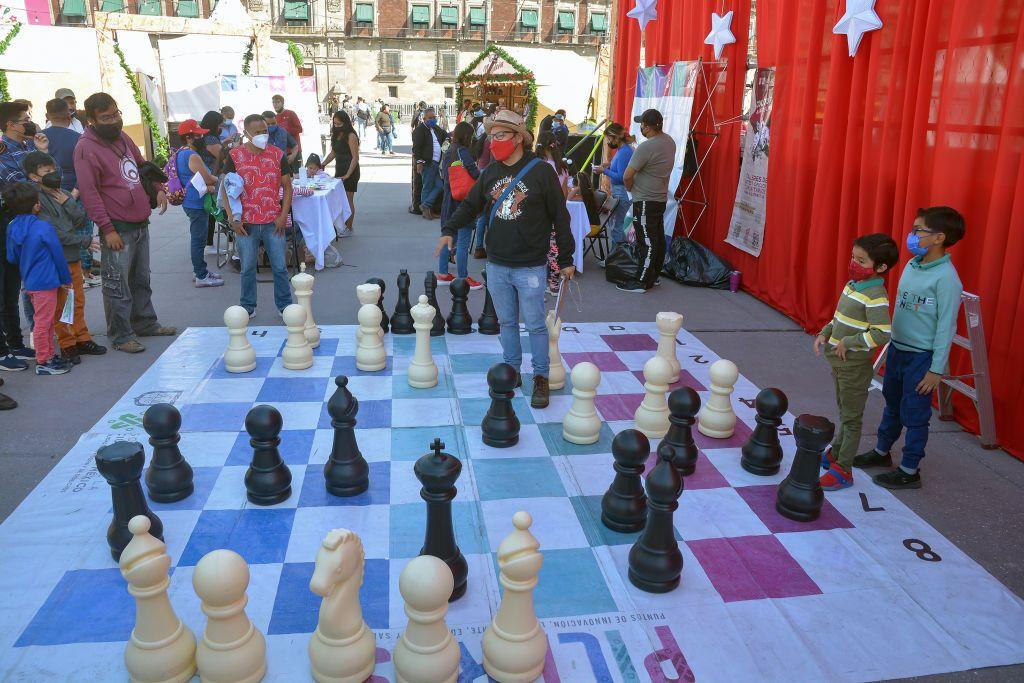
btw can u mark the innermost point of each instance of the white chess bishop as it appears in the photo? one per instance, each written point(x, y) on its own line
point(515, 646)
point(669, 325)
point(716, 417)
point(370, 354)
point(422, 372)
point(302, 283)
point(239, 356)
point(581, 424)
point(297, 354)
point(652, 415)
point(556, 373)
point(342, 649)
point(161, 649)
point(426, 652)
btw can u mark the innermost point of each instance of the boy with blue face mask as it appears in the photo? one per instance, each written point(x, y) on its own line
point(923, 324)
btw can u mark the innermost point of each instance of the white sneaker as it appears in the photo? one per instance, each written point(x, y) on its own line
point(211, 280)
point(345, 233)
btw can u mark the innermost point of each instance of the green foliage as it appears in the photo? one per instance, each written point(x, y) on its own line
point(160, 146)
point(247, 57)
point(4, 44)
point(523, 74)
point(296, 52)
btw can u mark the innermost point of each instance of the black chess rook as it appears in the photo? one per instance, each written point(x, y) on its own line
point(459, 320)
point(430, 289)
point(346, 472)
point(683, 406)
point(487, 323)
point(655, 561)
point(380, 302)
point(169, 476)
point(120, 463)
point(268, 480)
point(401, 321)
point(500, 426)
point(799, 496)
point(624, 504)
point(762, 454)
point(438, 472)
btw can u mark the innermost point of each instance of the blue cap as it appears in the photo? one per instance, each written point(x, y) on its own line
point(479, 112)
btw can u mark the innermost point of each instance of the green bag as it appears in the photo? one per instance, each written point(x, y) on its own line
point(210, 204)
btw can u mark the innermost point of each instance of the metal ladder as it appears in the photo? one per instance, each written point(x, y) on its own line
point(981, 392)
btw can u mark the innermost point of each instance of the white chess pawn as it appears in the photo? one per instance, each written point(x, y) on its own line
point(652, 415)
point(297, 354)
point(303, 283)
point(556, 374)
point(161, 648)
point(716, 417)
point(669, 325)
point(422, 370)
point(370, 354)
point(514, 643)
point(365, 295)
point(232, 650)
point(581, 424)
point(426, 651)
point(342, 649)
point(239, 356)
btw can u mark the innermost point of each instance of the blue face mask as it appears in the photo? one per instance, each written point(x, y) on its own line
point(555, 125)
point(914, 245)
point(431, 122)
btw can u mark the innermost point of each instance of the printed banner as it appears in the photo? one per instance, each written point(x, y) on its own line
point(252, 95)
point(746, 229)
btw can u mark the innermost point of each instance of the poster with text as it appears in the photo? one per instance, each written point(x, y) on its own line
point(746, 228)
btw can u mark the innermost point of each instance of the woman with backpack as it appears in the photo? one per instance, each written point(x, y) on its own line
point(458, 173)
point(187, 164)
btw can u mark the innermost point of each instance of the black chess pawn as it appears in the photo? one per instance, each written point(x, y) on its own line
point(401, 321)
point(346, 472)
point(268, 480)
point(120, 463)
point(762, 454)
point(500, 426)
point(624, 505)
point(380, 302)
point(430, 289)
point(683, 406)
point(487, 323)
point(438, 472)
point(459, 320)
point(799, 495)
point(655, 562)
point(168, 477)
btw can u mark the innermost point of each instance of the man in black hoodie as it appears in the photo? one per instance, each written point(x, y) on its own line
point(518, 238)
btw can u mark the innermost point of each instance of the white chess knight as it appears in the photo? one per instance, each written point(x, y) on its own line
point(716, 417)
point(239, 356)
point(422, 372)
point(669, 325)
point(426, 652)
point(652, 415)
point(581, 424)
point(303, 283)
point(342, 649)
point(556, 374)
point(514, 643)
point(297, 354)
point(161, 648)
point(370, 355)
point(232, 650)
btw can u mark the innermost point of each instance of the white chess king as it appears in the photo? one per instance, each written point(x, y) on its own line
point(239, 356)
point(716, 417)
point(422, 372)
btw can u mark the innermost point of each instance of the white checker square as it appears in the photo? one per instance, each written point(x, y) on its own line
point(205, 449)
point(531, 444)
point(311, 525)
point(266, 341)
point(229, 490)
point(322, 367)
point(421, 412)
point(555, 522)
point(366, 388)
point(477, 606)
point(834, 560)
point(374, 444)
point(405, 487)
point(727, 462)
point(240, 390)
point(716, 513)
point(471, 385)
point(620, 383)
point(694, 586)
point(298, 414)
point(558, 406)
point(592, 472)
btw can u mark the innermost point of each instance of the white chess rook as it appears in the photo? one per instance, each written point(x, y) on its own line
point(426, 651)
point(370, 354)
point(161, 649)
point(514, 644)
point(239, 356)
point(232, 650)
point(297, 354)
point(342, 649)
point(581, 424)
point(716, 417)
point(556, 374)
point(422, 372)
point(303, 283)
point(669, 325)
point(652, 415)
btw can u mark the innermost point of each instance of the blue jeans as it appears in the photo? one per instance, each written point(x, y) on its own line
point(431, 185)
point(384, 142)
point(904, 407)
point(515, 290)
point(248, 250)
point(617, 221)
point(197, 225)
point(361, 126)
point(463, 239)
point(481, 228)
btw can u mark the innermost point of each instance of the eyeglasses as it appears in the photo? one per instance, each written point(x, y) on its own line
point(922, 231)
point(109, 118)
point(502, 135)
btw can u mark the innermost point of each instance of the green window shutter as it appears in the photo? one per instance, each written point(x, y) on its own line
point(151, 8)
point(599, 22)
point(477, 16)
point(450, 16)
point(188, 8)
point(296, 10)
point(421, 14)
point(112, 6)
point(364, 12)
point(528, 18)
point(566, 21)
point(73, 8)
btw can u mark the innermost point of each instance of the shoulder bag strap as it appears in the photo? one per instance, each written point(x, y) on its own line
point(508, 190)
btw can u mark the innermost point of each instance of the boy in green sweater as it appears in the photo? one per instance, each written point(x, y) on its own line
point(922, 332)
point(860, 325)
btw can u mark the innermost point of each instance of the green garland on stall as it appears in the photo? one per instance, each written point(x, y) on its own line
point(247, 57)
point(4, 44)
point(296, 52)
point(466, 77)
point(160, 147)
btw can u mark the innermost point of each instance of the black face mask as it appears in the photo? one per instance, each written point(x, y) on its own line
point(30, 129)
point(51, 180)
point(108, 131)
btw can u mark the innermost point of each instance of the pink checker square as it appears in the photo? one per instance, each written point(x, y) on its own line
point(613, 407)
point(705, 474)
point(630, 342)
point(739, 437)
point(752, 568)
point(606, 361)
point(685, 380)
point(761, 500)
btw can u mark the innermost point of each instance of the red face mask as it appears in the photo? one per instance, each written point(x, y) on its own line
point(502, 149)
point(859, 272)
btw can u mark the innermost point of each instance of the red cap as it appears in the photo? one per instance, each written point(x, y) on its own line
point(189, 126)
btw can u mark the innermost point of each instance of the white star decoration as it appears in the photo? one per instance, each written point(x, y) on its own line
point(721, 35)
point(860, 18)
point(644, 11)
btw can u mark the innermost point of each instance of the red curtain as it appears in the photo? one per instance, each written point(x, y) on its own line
point(930, 111)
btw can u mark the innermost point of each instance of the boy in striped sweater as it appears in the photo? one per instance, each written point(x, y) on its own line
point(860, 324)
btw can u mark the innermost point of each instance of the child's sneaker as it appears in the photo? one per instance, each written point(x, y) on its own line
point(473, 284)
point(898, 479)
point(11, 363)
point(836, 478)
point(445, 278)
point(54, 366)
point(826, 457)
point(872, 458)
point(23, 352)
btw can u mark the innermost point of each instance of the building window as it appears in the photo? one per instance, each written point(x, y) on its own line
point(599, 23)
point(390, 62)
point(73, 10)
point(187, 8)
point(449, 92)
point(112, 6)
point(364, 14)
point(529, 19)
point(150, 8)
point(392, 91)
point(296, 11)
point(421, 15)
point(449, 16)
point(477, 16)
point(447, 63)
point(566, 22)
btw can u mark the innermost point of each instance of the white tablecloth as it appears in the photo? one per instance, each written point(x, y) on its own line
point(321, 216)
point(580, 225)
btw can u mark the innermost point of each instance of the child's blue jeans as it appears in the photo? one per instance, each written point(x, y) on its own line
point(904, 407)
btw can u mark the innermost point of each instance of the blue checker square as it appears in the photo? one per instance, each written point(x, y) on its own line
point(86, 606)
point(260, 536)
point(401, 388)
point(474, 362)
point(346, 365)
point(203, 479)
point(500, 478)
point(295, 447)
point(214, 417)
point(328, 347)
point(296, 608)
point(314, 488)
point(474, 409)
point(405, 345)
point(570, 583)
point(552, 433)
point(372, 414)
point(412, 443)
point(263, 365)
point(287, 389)
point(409, 522)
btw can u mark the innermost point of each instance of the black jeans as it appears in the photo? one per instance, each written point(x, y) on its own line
point(649, 225)
point(10, 293)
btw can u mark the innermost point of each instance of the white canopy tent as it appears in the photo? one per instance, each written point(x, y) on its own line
point(564, 79)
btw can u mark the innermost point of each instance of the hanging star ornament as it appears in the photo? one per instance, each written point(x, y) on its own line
point(644, 11)
point(860, 18)
point(721, 35)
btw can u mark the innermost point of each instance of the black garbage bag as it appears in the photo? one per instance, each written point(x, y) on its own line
point(622, 264)
point(691, 263)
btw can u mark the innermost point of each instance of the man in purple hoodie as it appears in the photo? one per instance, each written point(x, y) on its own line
point(107, 165)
